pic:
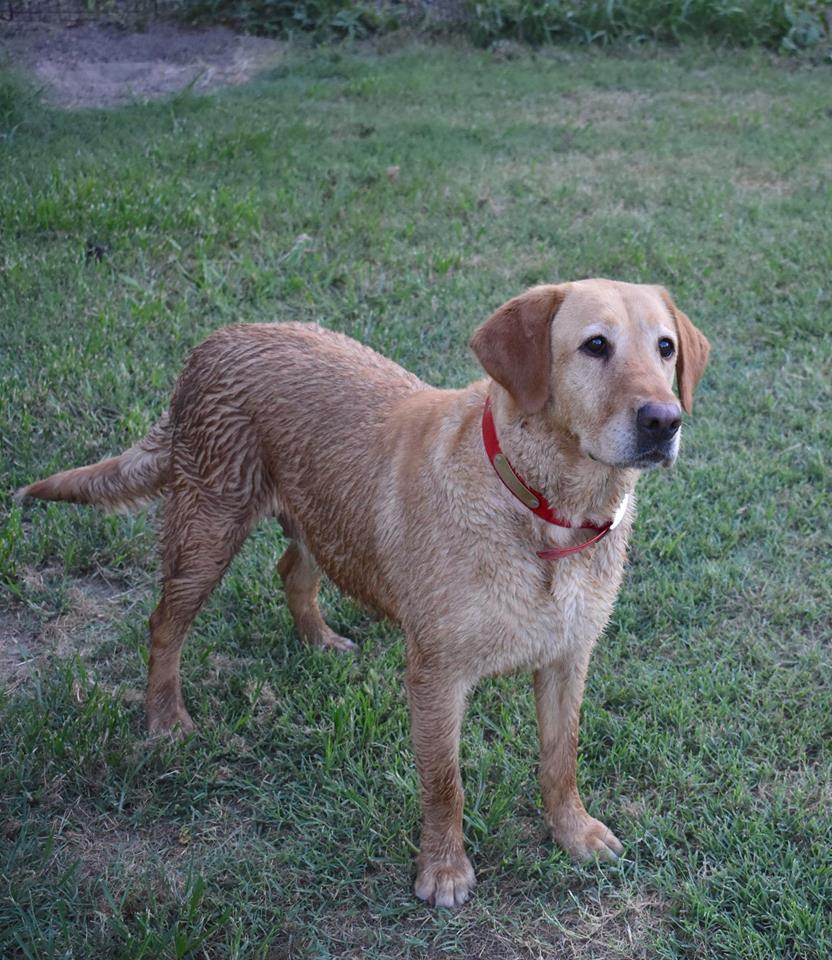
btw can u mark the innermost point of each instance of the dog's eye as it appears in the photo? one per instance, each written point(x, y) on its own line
point(666, 348)
point(596, 346)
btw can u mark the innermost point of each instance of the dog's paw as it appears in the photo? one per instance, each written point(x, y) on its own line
point(324, 637)
point(445, 883)
point(336, 642)
point(176, 723)
point(583, 837)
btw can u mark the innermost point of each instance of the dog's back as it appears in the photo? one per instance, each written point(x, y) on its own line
point(286, 420)
point(282, 383)
point(310, 395)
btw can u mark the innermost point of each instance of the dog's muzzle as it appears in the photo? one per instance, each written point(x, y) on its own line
point(656, 427)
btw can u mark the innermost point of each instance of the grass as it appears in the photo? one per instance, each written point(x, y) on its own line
point(788, 25)
point(287, 825)
point(771, 23)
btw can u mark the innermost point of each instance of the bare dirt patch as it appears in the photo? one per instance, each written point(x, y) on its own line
point(101, 842)
point(19, 646)
point(619, 928)
point(156, 856)
point(26, 644)
point(622, 930)
point(99, 65)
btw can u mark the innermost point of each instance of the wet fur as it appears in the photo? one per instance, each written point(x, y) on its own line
point(381, 482)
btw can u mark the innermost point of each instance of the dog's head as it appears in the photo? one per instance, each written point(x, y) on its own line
point(598, 358)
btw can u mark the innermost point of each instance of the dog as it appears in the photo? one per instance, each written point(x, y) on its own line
point(490, 522)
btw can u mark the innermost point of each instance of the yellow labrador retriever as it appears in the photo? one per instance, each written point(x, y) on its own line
point(490, 522)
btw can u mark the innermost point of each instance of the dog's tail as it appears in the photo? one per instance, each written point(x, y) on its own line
point(120, 483)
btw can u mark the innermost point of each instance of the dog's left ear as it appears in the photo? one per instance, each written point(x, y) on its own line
point(692, 352)
point(514, 345)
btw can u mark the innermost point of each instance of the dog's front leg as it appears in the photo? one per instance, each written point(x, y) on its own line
point(444, 876)
point(558, 691)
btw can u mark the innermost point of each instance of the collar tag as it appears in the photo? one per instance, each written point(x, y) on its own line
point(511, 480)
point(619, 513)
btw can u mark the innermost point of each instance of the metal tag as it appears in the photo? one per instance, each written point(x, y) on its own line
point(619, 513)
point(507, 475)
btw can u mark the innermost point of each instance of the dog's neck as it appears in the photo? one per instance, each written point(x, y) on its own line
point(549, 459)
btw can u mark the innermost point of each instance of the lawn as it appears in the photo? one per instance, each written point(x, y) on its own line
point(400, 197)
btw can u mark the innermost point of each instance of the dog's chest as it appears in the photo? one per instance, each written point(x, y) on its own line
point(534, 614)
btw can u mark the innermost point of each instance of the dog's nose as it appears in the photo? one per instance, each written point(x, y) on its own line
point(657, 423)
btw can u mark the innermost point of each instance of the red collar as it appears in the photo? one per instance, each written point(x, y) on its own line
point(531, 498)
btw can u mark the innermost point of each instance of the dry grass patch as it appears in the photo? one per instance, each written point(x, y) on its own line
point(624, 927)
point(519, 929)
point(90, 607)
point(607, 107)
point(19, 647)
point(103, 844)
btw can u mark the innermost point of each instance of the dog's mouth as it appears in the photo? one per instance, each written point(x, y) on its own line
point(647, 459)
point(643, 459)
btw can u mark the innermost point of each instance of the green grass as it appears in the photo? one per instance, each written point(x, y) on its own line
point(770, 23)
point(287, 825)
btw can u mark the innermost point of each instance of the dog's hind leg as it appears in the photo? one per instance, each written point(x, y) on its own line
point(301, 580)
point(201, 534)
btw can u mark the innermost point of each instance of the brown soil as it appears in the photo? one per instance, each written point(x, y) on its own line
point(98, 65)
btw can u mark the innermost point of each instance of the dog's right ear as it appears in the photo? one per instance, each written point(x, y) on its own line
point(514, 345)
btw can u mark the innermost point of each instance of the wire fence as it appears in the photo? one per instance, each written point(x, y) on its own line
point(86, 11)
point(135, 13)
point(131, 13)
